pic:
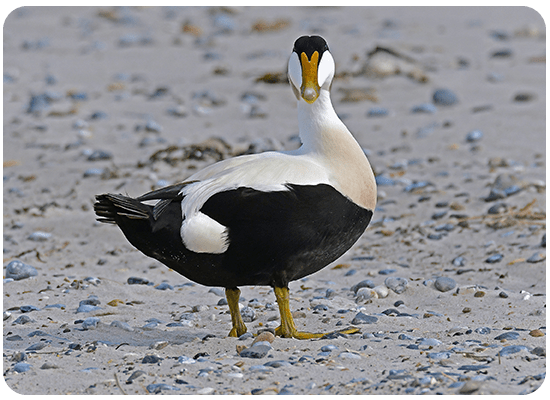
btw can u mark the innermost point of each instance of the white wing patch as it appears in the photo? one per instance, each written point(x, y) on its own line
point(202, 234)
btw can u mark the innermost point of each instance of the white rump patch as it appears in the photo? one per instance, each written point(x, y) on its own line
point(202, 234)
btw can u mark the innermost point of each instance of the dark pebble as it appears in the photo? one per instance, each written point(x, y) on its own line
point(537, 257)
point(398, 303)
point(257, 351)
point(365, 283)
point(387, 271)
point(498, 208)
point(277, 364)
point(137, 281)
point(439, 215)
point(474, 136)
point(23, 319)
point(494, 258)
point(472, 367)
point(425, 108)
point(511, 350)
point(508, 336)
point(361, 318)
point(18, 270)
point(377, 112)
point(164, 286)
point(505, 53)
point(444, 97)
point(26, 309)
point(151, 359)
point(382, 180)
point(503, 295)
point(523, 97)
point(84, 308)
point(36, 346)
point(98, 155)
point(13, 338)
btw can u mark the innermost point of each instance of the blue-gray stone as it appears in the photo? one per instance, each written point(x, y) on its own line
point(429, 342)
point(444, 97)
point(256, 351)
point(133, 280)
point(404, 336)
point(18, 270)
point(21, 367)
point(442, 355)
point(39, 236)
point(329, 348)
point(90, 323)
point(26, 309)
point(248, 314)
point(472, 367)
point(508, 350)
point(459, 261)
point(361, 318)
point(382, 180)
point(387, 271)
point(23, 319)
point(397, 284)
point(151, 359)
point(494, 258)
point(508, 336)
point(159, 387)
point(92, 301)
point(425, 108)
point(277, 364)
point(537, 257)
point(416, 185)
point(444, 284)
point(377, 112)
point(56, 305)
point(36, 346)
point(164, 286)
point(474, 136)
point(483, 330)
point(93, 172)
point(98, 155)
point(365, 283)
point(122, 325)
point(84, 308)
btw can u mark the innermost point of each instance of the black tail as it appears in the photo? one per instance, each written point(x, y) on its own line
point(110, 208)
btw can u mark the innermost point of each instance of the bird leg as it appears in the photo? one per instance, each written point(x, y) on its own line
point(287, 328)
point(239, 327)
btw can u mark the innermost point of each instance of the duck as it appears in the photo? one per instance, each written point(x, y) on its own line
point(264, 219)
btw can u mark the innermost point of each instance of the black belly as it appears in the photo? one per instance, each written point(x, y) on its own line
point(274, 237)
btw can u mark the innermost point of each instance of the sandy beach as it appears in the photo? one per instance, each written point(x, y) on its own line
point(447, 285)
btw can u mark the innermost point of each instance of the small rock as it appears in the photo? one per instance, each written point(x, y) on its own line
point(264, 337)
point(133, 280)
point(361, 318)
point(366, 283)
point(459, 261)
point(135, 375)
point(503, 295)
point(159, 387)
point(377, 112)
point(18, 270)
point(49, 365)
point(494, 258)
point(536, 333)
point(508, 350)
point(470, 387)
point(425, 108)
point(498, 208)
point(474, 136)
point(256, 351)
point(537, 257)
point(164, 286)
point(366, 294)
point(122, 325)
point(398, 285)
point(151, 359)
point(98, 155)
point(23, 319)
point(39, 236)
point(483, 330)
point(21, 367)
point(508, 336)
point(444, 97)
point(90, 323)
point(248, 314)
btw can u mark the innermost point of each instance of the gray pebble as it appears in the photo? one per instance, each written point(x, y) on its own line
point(429, 342)
point(39, 236)
point(425, 108)
point(277, 364)
point(444, 284)
point(98, 155)
point(377, 112)
point(256, 351)
point(26, 309)
point(36, 346)
point(122, 325)
point(21, 367)
point(506, 351)
point(159, 387)
point(473, 367)
point(135, 375)
point(248, 314)
point(483, 330)
point(90, 323)
point(137, 281)
point(84, 308)
point(474, 136)
point(444, 97)
point(459, 261)
point(442, 355)
point(246, 335)
point(361, 318)
point(93, 172)
point(164, 286)
point(329, 348)
point(18, 270)
point(503, 295)
point(49, 365)
point(494, 258)
point(348, 354)
point(508, 336)
point(151, 359)
point(366, 283)
point(398, 285)
point(18, 356)
point(382, 180)
point(537, 257)
point(23, 319)
point(498, 208)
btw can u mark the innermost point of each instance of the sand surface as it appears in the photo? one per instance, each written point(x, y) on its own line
point(128, 99)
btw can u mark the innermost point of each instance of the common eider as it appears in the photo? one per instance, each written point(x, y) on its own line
point(262, 219)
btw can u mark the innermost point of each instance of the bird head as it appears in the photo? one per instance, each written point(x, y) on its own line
point(310, 68)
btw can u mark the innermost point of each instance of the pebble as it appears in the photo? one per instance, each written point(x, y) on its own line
point(151, 359)
point(348, 354)
point(508, 336)
point(39, 236)
point(398, 285)
point(248, 314)
point(98, 155)
point(470, 387)
point(483, 330)
point(537, 257)
point(474, 136)
point(459, 261)
point(498, 208)
point(361, 318)
point(49, 365)
point(494, 258)
point(90, 323)
point(137, 281)
point(425, 108)
point(256, 351)
point(159, 387)
point(26, 309)
point(84, 308)
point(366, 283)
point(186, 360)
point(164, 286)
point(277, 364)
point(18, 270)
point(366, 294)
point(377, 112)
point(444, 97)
point(263, 337)
point(21, 367)
point(512, 349)
point(444, 284)
point(23, 319)
point(431, 342)
point(122, 325)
